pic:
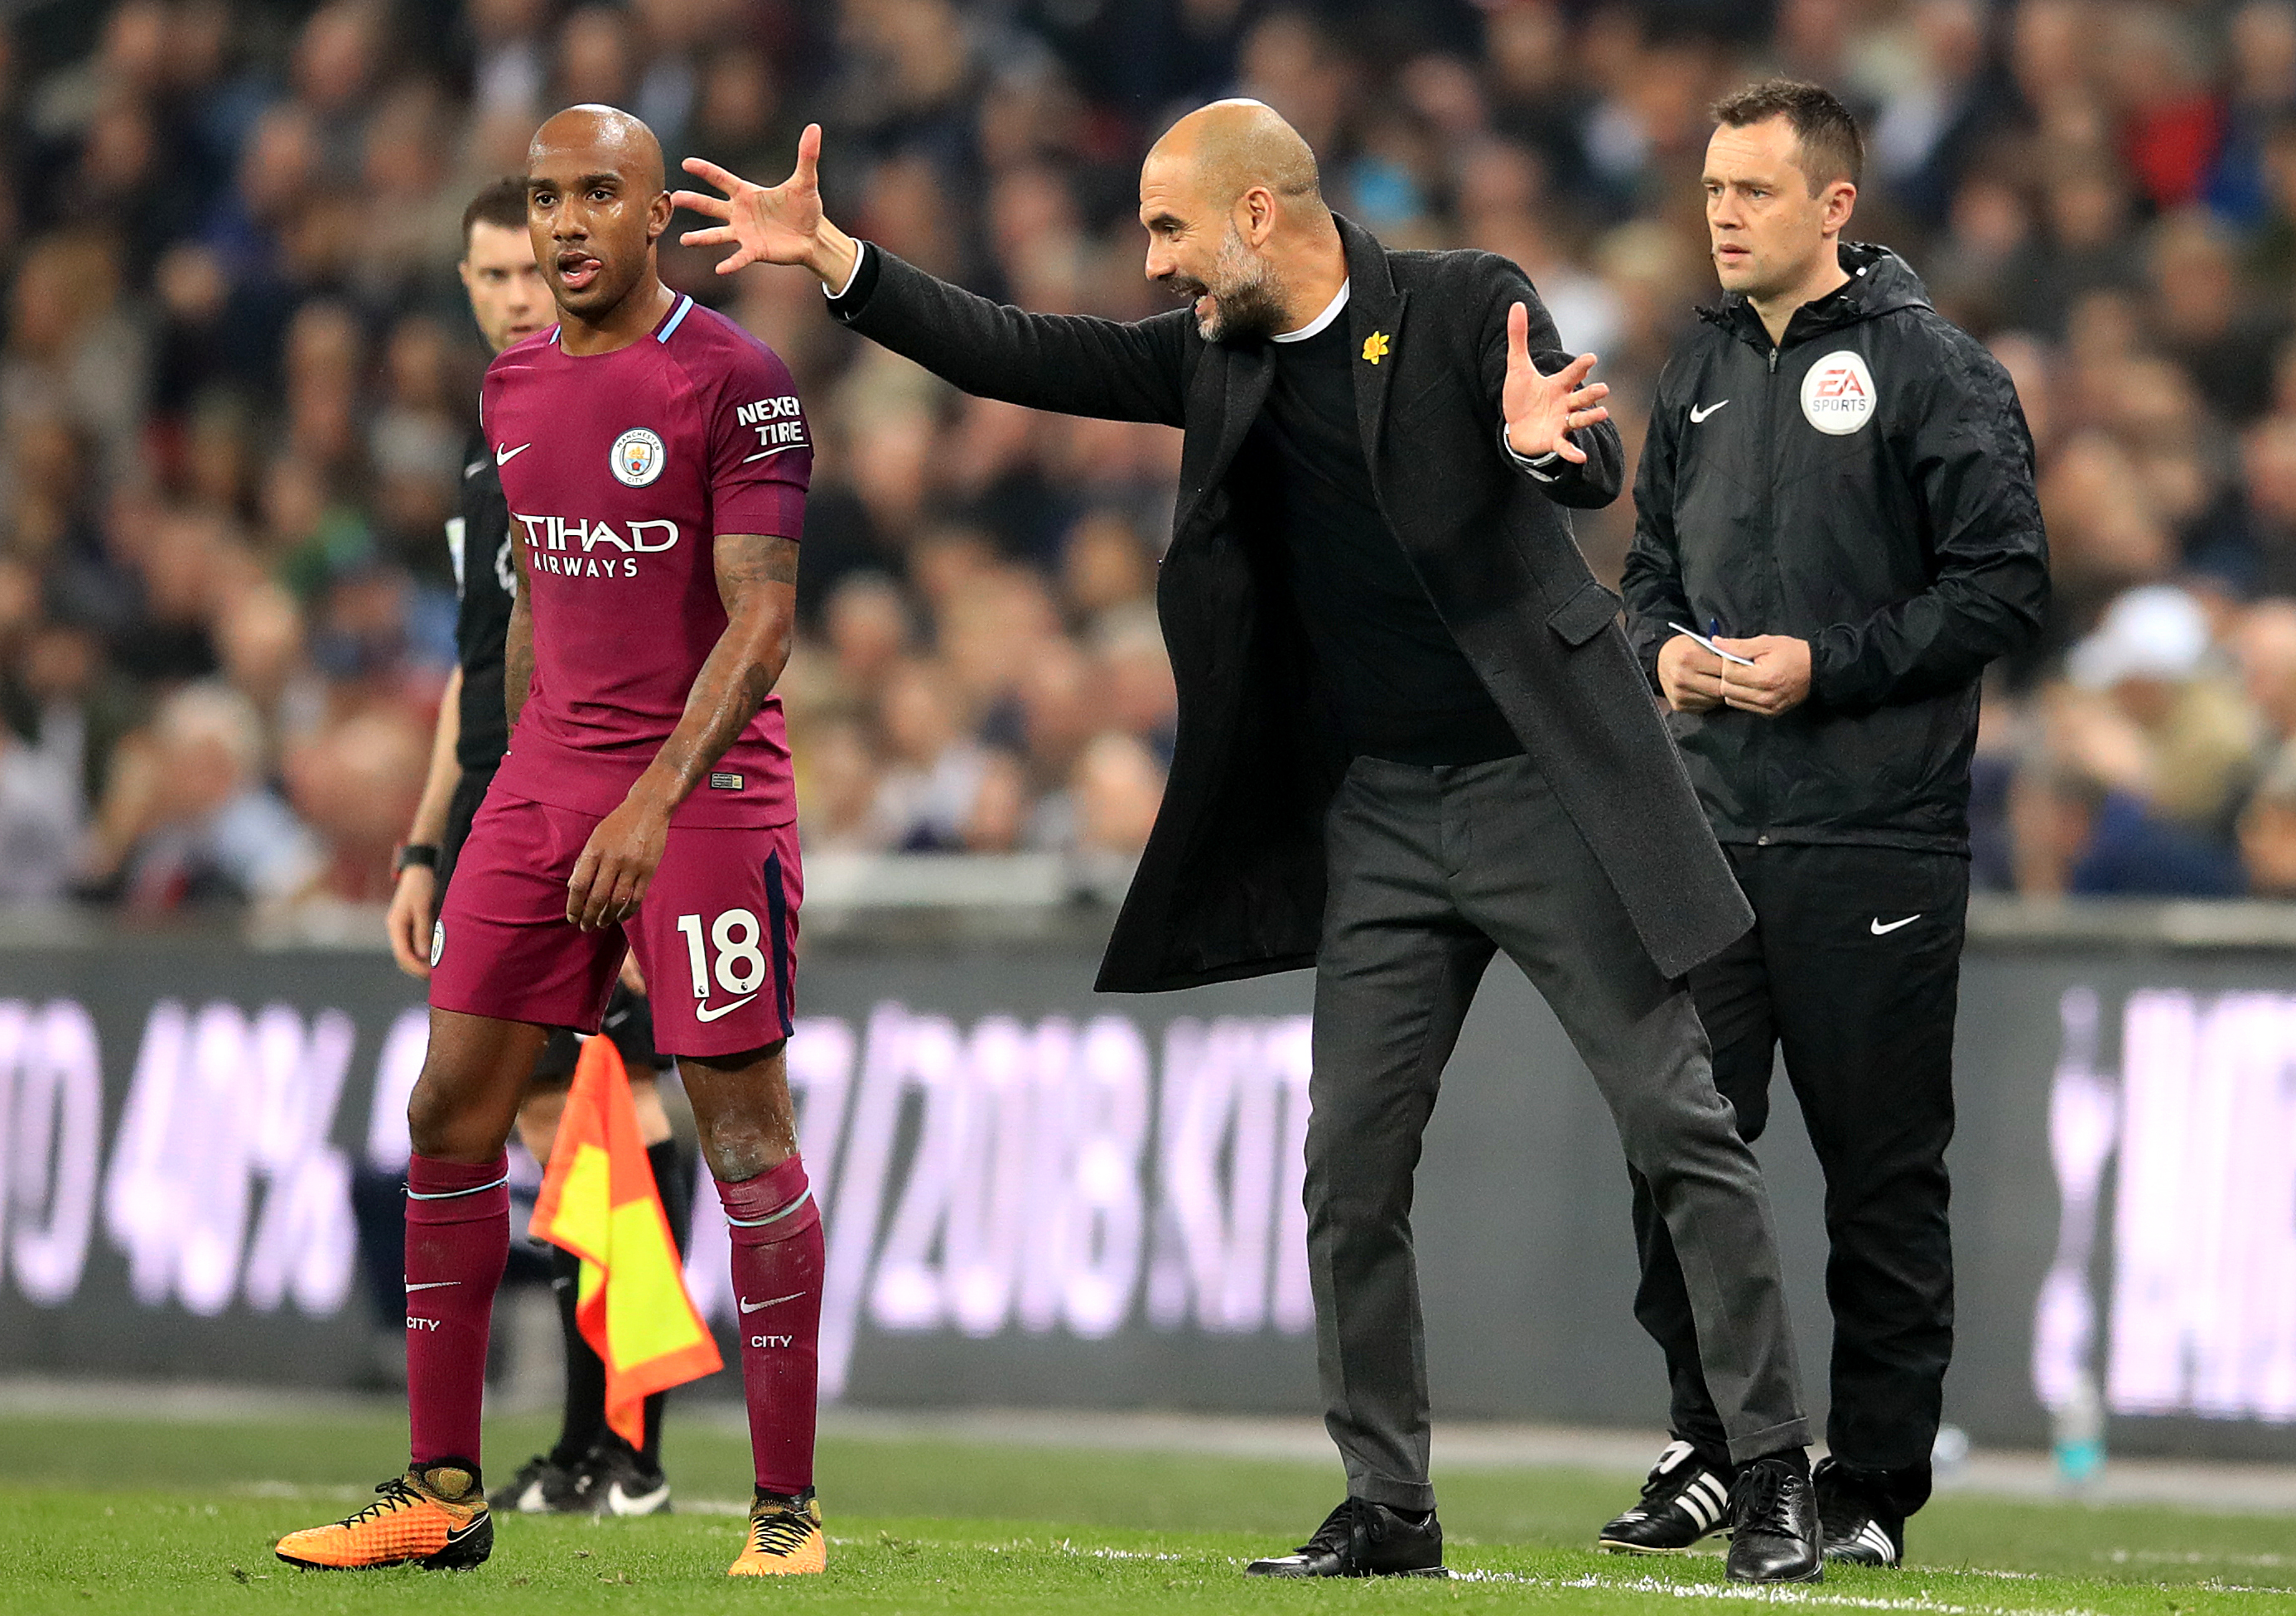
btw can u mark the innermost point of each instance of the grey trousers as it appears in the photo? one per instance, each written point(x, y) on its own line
point(1432, 870)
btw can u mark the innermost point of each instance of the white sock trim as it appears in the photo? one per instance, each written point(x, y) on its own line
point(414, 1194)
point(803, 1196)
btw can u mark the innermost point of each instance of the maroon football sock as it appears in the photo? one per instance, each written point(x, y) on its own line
point(457, 1239)
point(777, 1262)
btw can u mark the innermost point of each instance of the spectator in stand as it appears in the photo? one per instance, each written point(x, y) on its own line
point(188, 820)
point(2267, 832)
point(251, 377)
point(2149, 751)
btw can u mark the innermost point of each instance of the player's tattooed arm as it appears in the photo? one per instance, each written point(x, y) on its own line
point(518, 645)
point(757, 580)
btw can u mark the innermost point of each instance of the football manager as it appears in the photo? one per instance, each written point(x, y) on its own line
point(1837, 491)
point(1411, 734)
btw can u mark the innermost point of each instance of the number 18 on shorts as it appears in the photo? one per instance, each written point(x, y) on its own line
point(716, 935)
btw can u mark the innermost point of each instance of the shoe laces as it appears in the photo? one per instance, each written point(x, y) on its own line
point(397, 1493)
point(1756, 1498)
point(1339, 1530)
point(781, 1530)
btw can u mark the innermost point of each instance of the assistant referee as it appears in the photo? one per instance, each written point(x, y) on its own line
point(1837, 490)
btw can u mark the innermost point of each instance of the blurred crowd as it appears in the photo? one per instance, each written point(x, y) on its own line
point(237, 375)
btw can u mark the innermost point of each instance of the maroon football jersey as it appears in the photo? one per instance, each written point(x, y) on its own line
point(620, 470)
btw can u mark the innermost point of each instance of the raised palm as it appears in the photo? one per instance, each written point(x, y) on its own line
point(764, 225)
point(1542, 412)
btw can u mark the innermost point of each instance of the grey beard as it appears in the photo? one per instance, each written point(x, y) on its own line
point(1250, 304)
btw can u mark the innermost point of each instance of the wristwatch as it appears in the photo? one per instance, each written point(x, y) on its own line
point(412, 853)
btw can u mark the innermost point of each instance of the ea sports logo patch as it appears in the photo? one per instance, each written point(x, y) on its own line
point(636, 458)
point(1837, 395)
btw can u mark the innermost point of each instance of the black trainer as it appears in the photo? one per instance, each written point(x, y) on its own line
point(1774, 1534)
point(1683, 1498)
point(1361, 1538)
point(616, 1482)
point(1857, 1528)
point(544, 1487)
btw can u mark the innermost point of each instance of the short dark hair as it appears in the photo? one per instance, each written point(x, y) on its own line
point(1831, 149)
point(503, 202)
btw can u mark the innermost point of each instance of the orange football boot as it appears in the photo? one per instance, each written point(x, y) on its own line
point(435, 1518)
point(785, 1538)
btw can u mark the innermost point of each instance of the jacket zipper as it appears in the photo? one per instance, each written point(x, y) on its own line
point(1759, 773)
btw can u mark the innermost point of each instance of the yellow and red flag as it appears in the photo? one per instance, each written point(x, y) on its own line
point(599, 1202)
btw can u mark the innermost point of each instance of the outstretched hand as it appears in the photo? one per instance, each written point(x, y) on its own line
point(777, 224)
point(1542, 412)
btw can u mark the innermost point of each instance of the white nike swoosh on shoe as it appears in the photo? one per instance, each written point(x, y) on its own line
point(1697, 414)
point(432, 1284)
point(703, 1012)
point(504, 456)
point(531, 1502)
point(751, 1306)
point(619, 1502)
point(1882, 930)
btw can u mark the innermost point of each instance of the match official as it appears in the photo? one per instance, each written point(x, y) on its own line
point(1411, 735)
point(1837, 491)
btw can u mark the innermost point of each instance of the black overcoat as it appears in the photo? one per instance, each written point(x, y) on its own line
point(1231, 883)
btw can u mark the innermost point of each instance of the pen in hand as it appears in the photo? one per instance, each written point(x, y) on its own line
point(1727, 656)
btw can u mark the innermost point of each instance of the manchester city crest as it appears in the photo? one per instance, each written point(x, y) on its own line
point(636, 458)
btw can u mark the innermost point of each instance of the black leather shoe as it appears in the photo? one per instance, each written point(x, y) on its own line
point(1361, 1538)
point(1774, 1531)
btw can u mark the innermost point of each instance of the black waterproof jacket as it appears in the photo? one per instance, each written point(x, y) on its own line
point(1865, 485)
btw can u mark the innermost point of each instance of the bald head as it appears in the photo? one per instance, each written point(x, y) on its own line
point(1230, 146)
point(602, 138)
point(1236, 221)
point(594, 208)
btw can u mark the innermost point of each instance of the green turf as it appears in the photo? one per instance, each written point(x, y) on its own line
point(131, 1515)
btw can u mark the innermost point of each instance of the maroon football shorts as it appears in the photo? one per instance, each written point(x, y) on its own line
point(716, 935)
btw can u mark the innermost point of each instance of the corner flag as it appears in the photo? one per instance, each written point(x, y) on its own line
point(599, 1202)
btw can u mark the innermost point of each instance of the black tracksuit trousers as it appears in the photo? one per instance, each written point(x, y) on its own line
point(1853, 969)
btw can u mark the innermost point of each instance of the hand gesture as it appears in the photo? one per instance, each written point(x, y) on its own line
point(617, 865)
point(1542, 411)
point(781, 224)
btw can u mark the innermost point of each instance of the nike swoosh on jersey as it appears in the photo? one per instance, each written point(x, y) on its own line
point(504, 456)
point(751, 1306)
point(432, 1284)
point(703, 1012)
point(1882, 930)
point(1697, 414)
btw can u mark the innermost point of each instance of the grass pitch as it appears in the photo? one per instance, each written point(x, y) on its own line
point(129, 1515)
